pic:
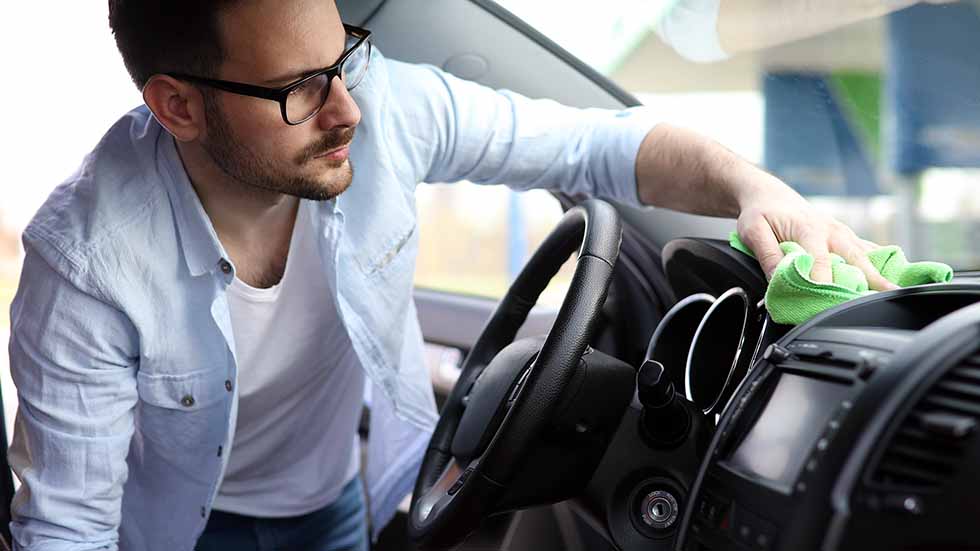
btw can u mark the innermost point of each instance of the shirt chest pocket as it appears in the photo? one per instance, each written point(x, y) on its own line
point(182, 410)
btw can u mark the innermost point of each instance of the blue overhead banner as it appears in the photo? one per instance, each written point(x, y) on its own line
point(812, 140)
point(933, 86)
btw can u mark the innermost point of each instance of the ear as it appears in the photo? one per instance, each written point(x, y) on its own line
point(177, 105)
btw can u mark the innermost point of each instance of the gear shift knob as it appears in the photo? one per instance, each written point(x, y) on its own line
point(653, 385)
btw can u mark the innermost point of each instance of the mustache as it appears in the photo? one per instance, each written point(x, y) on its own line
point(328, 142)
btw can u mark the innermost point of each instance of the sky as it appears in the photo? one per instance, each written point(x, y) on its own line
point(63, 87)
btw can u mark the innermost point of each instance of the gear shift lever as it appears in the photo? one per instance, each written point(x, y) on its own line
point(665, 420)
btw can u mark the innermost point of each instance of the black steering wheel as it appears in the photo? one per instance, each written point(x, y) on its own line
point(508, 392)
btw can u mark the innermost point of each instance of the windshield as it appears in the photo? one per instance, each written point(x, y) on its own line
point(870, 108)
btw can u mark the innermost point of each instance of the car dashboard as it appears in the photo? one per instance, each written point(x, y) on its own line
point(854, 430)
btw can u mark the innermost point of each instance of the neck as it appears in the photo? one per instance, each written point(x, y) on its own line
point(239, 213)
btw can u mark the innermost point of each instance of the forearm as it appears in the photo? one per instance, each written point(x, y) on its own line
point(682, 170)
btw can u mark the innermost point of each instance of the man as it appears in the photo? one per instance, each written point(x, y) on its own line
point(203, 304)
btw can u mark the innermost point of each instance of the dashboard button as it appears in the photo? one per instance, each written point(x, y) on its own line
point(865, 370)
point(754, 531)
point(776, 354)
point(744, 532)
point(904, 503)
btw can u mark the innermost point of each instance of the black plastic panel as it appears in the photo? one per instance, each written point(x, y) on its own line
point(711, 266)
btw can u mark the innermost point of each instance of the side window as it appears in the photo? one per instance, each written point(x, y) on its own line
point(10, 261)
point(9, 268)
point(475, 239)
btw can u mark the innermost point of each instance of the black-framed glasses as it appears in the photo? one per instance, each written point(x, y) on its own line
point(300, 100)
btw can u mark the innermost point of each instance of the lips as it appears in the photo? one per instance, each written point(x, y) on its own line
point(334, 146)
point(337, 154)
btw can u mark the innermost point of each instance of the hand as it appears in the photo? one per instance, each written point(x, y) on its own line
point(771, 218)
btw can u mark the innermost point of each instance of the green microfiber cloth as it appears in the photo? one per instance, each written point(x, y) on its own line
point(792, 297)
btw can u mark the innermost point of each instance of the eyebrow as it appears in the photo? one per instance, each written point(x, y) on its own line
point(296, 75)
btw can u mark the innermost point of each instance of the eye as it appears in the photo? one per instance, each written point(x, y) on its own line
point(305, 88)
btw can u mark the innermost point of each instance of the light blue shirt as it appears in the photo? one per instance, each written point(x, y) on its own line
point(121, 342)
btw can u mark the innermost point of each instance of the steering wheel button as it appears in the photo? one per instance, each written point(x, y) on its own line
point(460, 481)
point(455, 487)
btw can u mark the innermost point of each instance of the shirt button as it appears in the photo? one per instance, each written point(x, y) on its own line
point(219, 451)
point(225, 266)
point(228, 386)
point(187, 401)
point(203, 514)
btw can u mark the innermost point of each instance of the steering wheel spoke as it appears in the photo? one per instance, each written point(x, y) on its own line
point(439, 494)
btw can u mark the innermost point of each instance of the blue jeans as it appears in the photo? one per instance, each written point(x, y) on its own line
point(342, 525)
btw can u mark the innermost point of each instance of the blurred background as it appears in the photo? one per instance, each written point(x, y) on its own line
point(870, 108)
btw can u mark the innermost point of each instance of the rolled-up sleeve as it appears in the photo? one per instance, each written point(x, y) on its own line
point(462, 130)
point(73, 361)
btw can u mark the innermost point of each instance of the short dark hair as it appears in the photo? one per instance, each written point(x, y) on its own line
point(162, 36)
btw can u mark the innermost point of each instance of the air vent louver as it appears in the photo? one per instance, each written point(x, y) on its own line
point(929, 445)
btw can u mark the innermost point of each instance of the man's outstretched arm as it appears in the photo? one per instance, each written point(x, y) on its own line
point(461, 130)
point(681, 170)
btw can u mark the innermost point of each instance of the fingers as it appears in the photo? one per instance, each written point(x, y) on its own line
point(760, 239)
point(875, 280)
point(815, 244)
point(818, 235)
point(854, 251)
point(867, 246)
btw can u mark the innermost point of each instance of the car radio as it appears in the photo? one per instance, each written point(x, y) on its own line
point(855, 430)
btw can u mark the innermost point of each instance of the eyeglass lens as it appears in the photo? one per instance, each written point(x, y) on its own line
point(305, 100)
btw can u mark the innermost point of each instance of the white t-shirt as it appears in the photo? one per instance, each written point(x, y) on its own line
point(300, 391)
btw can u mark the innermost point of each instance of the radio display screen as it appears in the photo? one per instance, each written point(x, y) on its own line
point(778, 445)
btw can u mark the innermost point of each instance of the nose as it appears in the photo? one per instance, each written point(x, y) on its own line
point(340, 108)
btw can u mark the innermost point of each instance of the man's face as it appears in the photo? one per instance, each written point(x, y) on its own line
point(272, 43)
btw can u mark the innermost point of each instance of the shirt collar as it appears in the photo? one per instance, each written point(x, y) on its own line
point(202, 249)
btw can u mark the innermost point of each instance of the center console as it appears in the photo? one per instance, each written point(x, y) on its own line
point(855, 430)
